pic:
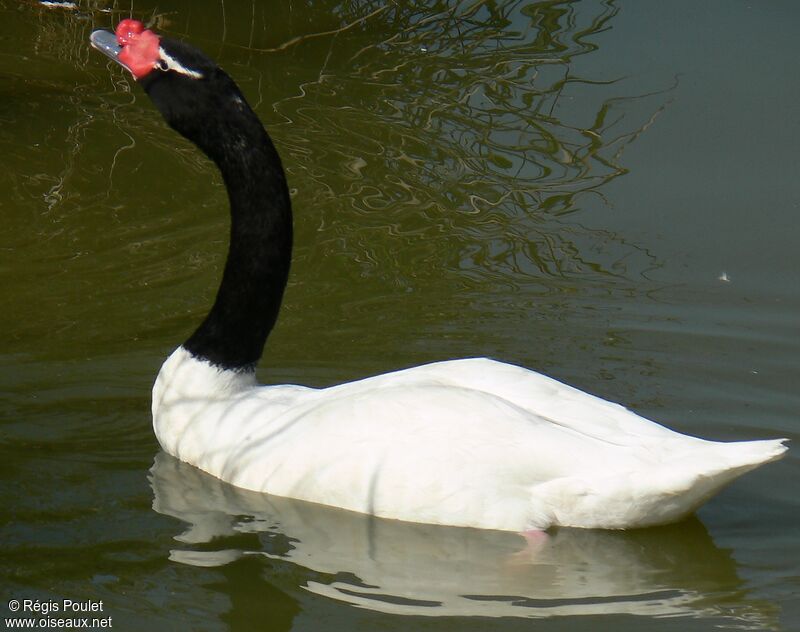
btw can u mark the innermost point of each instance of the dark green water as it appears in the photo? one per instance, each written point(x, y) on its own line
point(603, 191)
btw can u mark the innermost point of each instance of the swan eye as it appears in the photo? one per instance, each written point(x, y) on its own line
point(168, 62)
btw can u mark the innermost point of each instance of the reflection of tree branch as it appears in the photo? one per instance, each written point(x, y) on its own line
point(482, 105)
point(302, 38)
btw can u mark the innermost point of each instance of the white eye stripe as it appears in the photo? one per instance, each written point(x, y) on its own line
point(170, 63)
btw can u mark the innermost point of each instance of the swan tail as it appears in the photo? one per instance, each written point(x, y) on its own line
point(729, 461)
point(706, 471)
point(665, 493)
point(747, 455)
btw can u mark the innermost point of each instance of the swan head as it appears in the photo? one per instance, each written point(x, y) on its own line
point(192, 93)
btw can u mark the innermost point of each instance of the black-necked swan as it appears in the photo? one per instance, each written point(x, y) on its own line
point(472, 443)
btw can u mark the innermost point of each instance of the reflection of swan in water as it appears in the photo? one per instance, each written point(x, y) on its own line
point(420, 569)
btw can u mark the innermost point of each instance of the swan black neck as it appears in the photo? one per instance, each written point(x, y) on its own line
point(216, 117)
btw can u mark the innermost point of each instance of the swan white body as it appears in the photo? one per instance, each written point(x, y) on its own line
point(473, 443)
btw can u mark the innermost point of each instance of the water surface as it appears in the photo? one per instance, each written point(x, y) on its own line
point(602, 191)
